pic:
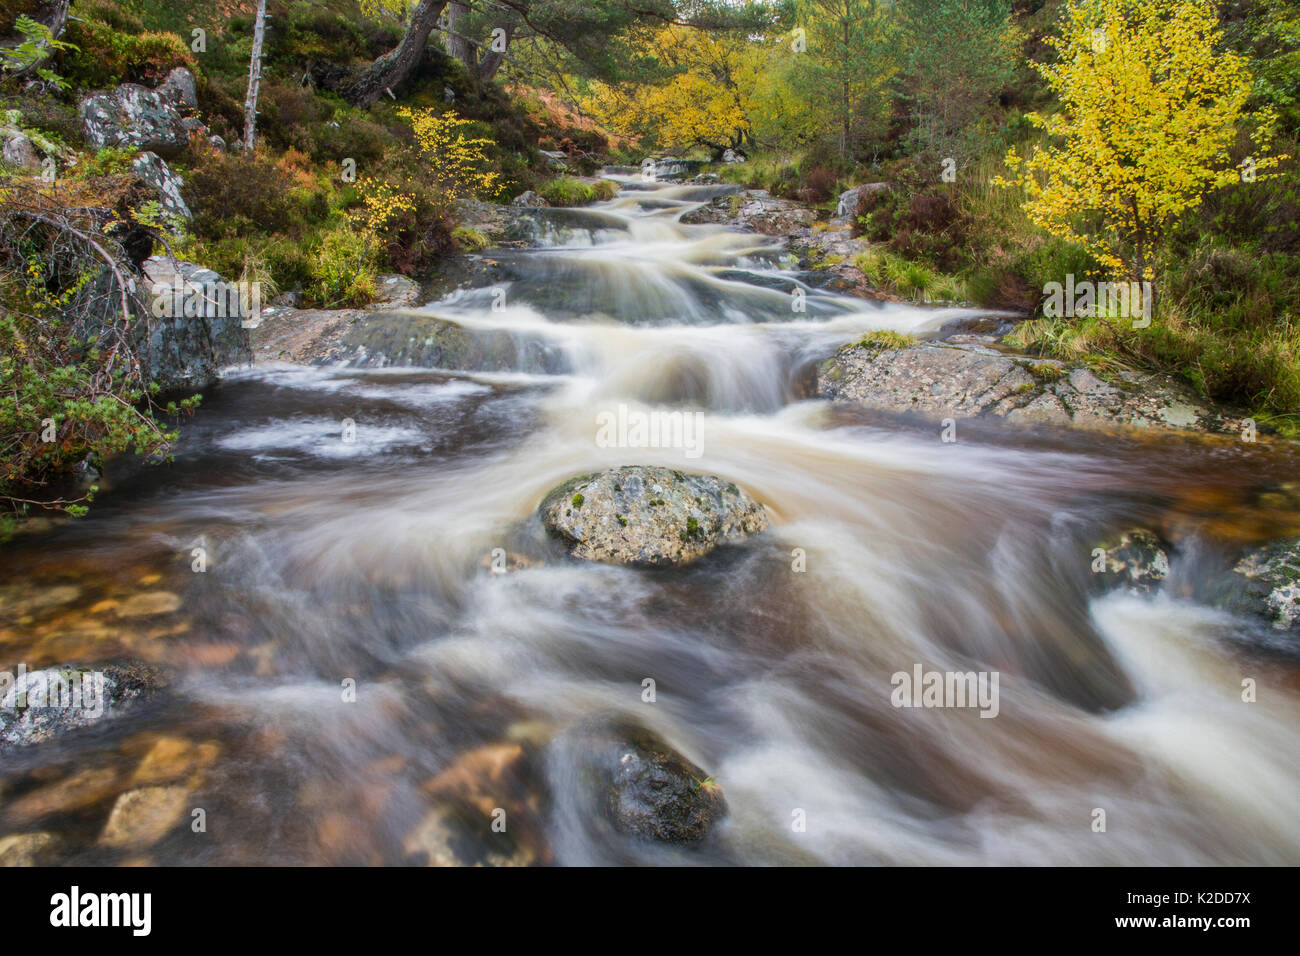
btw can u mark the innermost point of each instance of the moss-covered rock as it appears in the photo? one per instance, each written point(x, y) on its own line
point(641, 786)
point(649, 517)
point(1265, 582)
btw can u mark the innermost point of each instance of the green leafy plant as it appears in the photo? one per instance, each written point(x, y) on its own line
point(38, 45)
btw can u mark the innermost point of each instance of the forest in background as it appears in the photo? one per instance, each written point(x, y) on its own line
point(1014, 136)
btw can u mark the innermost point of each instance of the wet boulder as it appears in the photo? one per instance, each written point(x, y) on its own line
point(644, 787)
point(1135, 560)
point(197, 326)
point(40, 705)
point(649, 517)
point(1265, 583)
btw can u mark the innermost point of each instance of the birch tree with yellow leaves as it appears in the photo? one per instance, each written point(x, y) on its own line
point(1150, 107)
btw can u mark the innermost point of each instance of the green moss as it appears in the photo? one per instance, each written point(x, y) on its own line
point(884, 340)
point(468, 239)
point(577, 501)
point(567, 191)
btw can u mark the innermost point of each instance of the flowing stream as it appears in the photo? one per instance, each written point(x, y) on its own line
point(330, 560)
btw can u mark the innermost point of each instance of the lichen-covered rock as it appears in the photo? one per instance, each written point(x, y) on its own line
point(189, 345)
point(36, 706)
point(966, 381)
point(1265, 582)
point(1136, 561)
point(19, 151)
point(847, 205)
point(134, 116)
point(178, 87)
point(644, 788)
point(649, 517)
point(153, 170)
point(754, 209)
point(394, 291)
point(426, 341)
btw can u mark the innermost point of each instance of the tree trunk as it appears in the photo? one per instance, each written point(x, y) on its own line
point(457, 44)
point(492, 59)
point(52, 14)
point(396, 65)
point(254, 80)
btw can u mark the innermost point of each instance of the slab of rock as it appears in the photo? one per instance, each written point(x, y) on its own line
point(302, 336)
point(753, 209)
point(847, 205)
point(966, 381)
point(394, 292)
point(649, 517)
point(178, 87)
point(510, 225)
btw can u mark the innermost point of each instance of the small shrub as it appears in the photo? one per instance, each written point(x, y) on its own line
point(566, 191)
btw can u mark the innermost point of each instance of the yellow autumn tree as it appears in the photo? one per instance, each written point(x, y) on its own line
point(452, 160)
point(1149, 110)
point(707, 101)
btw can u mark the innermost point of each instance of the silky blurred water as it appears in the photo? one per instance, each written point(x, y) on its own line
point(367, 560)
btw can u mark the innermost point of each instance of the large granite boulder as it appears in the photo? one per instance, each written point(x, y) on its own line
point(134, 116)
point(649, 517)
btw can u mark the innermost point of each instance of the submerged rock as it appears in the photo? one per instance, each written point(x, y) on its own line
point(1265, 583)
point(28, 849)
point(39, 705)
point(647, 789)
point(1137, 561)
point(140, 818)
point(966, 381)
point(648, 516)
